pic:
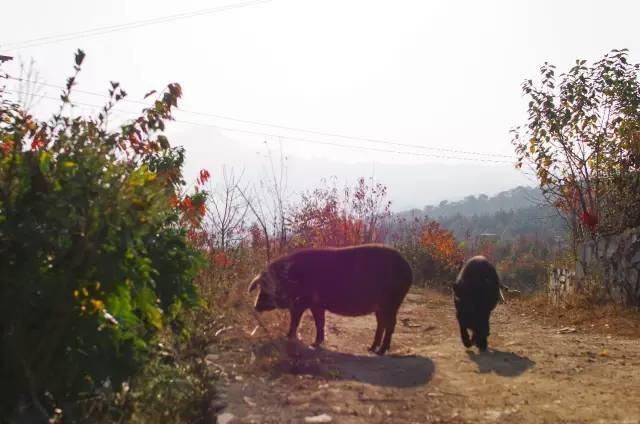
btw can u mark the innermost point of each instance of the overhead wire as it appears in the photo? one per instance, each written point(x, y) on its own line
point(57, 38)
point(287, 137)
point(296, 129)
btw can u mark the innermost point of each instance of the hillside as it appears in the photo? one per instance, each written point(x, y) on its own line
point(518, 198)
point(509, 214)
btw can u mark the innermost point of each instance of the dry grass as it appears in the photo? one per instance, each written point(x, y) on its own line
point(582, 312)
point(258, 340)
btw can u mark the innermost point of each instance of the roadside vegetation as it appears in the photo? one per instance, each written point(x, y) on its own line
point(97, 285)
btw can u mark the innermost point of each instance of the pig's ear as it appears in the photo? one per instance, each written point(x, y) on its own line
point(457, 290)
point(285, 273)
point(254, 283)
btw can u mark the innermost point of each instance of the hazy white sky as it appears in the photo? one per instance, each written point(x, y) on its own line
point(435, 74)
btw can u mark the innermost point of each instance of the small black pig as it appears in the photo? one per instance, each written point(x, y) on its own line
point(476, 293)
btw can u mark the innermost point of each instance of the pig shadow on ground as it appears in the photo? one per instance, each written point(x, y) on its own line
point(388, 371)
point(506, 364)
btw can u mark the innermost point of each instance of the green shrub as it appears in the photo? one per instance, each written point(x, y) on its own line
point(94, 257)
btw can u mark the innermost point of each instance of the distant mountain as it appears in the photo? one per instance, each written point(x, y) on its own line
point(509, 214)
point(518, 198)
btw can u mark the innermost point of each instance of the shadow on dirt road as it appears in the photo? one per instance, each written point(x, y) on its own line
point(385, 371)
point(506, 364)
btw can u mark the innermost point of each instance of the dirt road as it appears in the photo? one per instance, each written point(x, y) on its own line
point(533, 373)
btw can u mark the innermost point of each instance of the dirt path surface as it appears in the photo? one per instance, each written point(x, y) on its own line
point(533, 373)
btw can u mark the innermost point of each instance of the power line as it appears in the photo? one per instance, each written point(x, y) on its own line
point(350, 146)
point(57, 38)
point(349, 137)
point(296, 129)
point(300, 139)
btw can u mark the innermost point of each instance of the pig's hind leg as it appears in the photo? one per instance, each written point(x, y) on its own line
point(295, 313)
point(464, 334)
point(318, 317)
point(389, 323)
point(377, 338)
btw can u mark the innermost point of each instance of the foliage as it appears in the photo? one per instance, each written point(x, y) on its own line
point(486, 246)
point(433, 251)
point(582, 139)
point(327, 216)
point(523, 263)
point(517, 242)
point(171, 387)
point(542, 221)
point(405, 236)
point(93, 248)
point(442, 247)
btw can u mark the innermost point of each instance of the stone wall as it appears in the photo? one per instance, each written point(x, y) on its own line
point(609, 264)
point(616, 259)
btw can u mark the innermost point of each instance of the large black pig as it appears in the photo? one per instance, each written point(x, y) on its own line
point(476, 293)
point(350, 281)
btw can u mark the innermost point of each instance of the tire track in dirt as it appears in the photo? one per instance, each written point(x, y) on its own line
point(532, 373)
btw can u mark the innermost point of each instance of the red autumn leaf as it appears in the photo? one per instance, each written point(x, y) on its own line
point(187, 203)
point(38, 142)
point(204, 176)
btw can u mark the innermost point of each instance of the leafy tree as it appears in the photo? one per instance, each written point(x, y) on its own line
point(94, 250)
point(582, 139)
